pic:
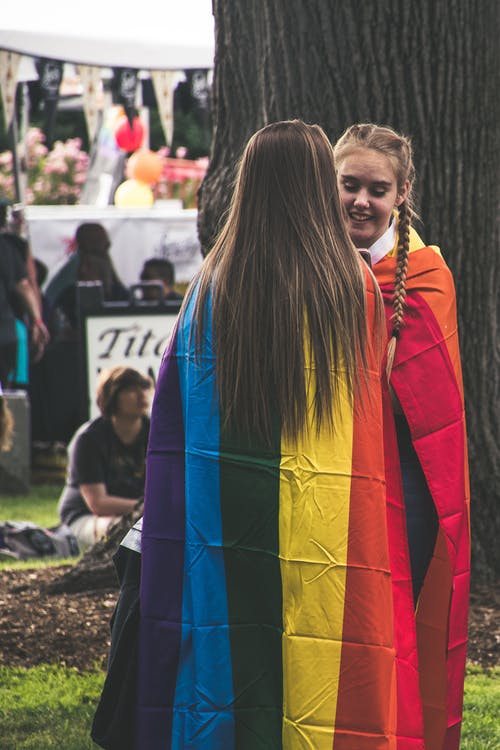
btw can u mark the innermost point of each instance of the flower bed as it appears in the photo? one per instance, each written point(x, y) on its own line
point(180, 177)
point(54, 177)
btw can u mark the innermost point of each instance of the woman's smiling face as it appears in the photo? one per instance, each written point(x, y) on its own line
point(368, 189)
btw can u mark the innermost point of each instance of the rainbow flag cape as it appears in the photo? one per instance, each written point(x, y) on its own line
point(266, 597)
point(431, 645)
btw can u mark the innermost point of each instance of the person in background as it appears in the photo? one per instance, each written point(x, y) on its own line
point(13, 228)
point(92, 268)
point(106, 457)
point(161, 270)
point(428, 449)
point(266, 598)
point(91, 261)
point(41, 271)
point(25, 301)
point(14, 283)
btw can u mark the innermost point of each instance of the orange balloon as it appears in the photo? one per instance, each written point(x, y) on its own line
point(145, 166)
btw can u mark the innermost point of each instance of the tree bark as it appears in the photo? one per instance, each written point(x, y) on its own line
point(428, 68)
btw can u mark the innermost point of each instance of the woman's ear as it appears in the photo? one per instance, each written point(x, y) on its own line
point(401, 197)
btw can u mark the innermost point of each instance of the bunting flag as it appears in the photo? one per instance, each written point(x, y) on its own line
point(90, 78)
point(9, 65)
point(427, 380)
point(163, 83)
point(266, 597)
point(124, 88)
point(50, 73)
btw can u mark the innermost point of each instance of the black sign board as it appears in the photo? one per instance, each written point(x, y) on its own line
point(135, 334)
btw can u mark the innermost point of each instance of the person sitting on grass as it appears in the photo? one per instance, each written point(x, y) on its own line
point(106, 457)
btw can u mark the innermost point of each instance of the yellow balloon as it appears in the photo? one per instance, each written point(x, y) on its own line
point(133, 193)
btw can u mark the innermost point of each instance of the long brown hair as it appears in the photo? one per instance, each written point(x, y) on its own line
point(92, 240)
point(286, 282)
point(398, 149)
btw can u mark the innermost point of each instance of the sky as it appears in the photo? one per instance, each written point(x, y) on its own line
point(154, 19)
point(170, 23)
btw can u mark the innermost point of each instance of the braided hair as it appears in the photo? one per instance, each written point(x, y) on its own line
point(398, 149)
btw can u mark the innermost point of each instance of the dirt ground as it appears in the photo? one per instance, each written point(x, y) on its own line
point(36, 627)
point(73, 629)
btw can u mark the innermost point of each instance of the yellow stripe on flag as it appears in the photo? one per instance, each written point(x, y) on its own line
point(315, 486)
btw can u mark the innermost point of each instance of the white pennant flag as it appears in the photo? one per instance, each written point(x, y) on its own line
point(9, 64)
point(90, 78)
point(163, 82)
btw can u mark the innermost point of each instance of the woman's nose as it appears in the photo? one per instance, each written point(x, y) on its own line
point(361, 198)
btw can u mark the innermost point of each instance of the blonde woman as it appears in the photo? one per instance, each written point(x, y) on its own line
point(430, 539)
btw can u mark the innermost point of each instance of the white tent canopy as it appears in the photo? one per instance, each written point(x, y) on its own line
point(141, 34)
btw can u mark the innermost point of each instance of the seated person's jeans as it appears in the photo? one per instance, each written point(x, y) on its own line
point(88, 529)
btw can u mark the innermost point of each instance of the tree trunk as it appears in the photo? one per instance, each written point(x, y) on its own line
point(428, 68)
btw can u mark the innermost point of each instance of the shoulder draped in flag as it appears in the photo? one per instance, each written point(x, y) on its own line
point(427, 380)
point(266, 597)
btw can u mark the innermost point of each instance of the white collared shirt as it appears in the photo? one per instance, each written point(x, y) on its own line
point(384, 244)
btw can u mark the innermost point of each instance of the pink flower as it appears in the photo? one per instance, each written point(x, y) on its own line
point(181, 152)
point(55, 166)
point(34, 135)
point(6, 159)
point(203, 163)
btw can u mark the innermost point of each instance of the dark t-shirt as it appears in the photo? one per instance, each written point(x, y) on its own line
point(97, 455)
point(12, 271)
point(19, 243)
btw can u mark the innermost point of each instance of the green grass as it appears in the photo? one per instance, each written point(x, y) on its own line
point(47, 708)
point(36, 562)
point(51, 708)
point(39, 506)
point(481, 728)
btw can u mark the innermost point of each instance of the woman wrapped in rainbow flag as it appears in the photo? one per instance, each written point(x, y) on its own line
point(266, 594)
point(426, 455)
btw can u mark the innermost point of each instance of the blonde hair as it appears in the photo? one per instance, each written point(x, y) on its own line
point(398, 149)
point(282, 265)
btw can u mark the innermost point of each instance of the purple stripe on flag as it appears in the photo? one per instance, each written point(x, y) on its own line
point(163, 537)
